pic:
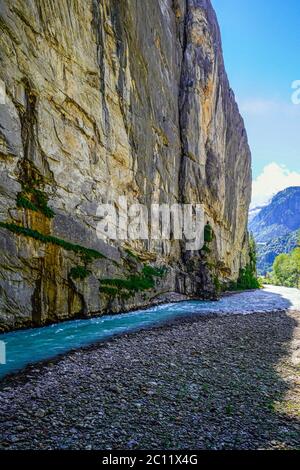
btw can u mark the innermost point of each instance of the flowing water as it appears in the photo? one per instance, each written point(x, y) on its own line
point(24, 347)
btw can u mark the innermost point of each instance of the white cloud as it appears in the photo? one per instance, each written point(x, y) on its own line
point(258, 106)
point(273, 179)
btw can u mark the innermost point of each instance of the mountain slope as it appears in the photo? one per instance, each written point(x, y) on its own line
point(275, 227)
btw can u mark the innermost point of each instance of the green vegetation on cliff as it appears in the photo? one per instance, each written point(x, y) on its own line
point(79, 272)
point(35, 200)
point(248, 276)
point(247, 279)
point(87, 253)
point(33, 196)
point(132, 284)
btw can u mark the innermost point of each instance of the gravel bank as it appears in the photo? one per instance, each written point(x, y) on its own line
point(207, 383)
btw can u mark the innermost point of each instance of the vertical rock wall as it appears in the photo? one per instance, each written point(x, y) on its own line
point(106, 98)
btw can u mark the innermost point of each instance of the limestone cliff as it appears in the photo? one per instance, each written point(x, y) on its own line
point(106, 98)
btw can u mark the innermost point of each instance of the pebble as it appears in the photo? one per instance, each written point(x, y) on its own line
point(153, 390)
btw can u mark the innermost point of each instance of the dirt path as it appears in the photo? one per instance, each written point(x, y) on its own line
point(206, 383)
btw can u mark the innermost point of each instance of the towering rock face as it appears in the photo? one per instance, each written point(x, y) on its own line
point(109, 98)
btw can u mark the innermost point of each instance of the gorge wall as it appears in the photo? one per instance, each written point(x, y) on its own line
point(106, 98)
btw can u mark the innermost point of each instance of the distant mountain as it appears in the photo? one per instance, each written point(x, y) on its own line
point(254, 211)
point(275, 227)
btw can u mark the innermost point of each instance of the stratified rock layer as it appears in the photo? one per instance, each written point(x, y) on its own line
point(106, 99)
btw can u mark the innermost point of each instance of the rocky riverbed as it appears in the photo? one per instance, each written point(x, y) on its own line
point(226, 382)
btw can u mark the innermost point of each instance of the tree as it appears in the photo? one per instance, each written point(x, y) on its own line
point(252, 253)
point(295, 260)
point(248, 275)
point(286, 269)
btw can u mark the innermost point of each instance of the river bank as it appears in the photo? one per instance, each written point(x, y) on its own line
point(226, 382)
point(29, 346)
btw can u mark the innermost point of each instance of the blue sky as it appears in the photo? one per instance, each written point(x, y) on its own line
point(261, 46)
